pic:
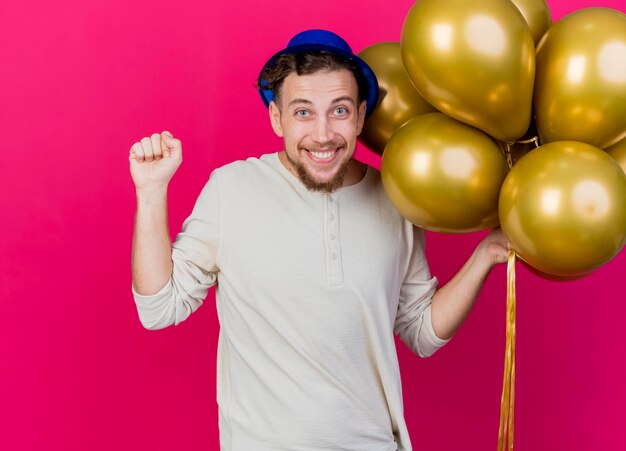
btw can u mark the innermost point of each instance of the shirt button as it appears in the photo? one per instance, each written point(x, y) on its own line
point(332, 217)
point(332, 236)
point(333, 256)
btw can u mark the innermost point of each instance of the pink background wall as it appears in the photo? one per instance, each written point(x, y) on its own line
point(79, 83)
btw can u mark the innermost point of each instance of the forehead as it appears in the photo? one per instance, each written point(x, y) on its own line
point(320, 87)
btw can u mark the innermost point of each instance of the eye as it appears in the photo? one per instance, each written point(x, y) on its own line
point(341, 111)
point(302, 113)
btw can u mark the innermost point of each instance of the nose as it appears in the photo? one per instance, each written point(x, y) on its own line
point(323, 132)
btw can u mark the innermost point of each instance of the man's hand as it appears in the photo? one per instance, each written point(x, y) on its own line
point(495, 247)
point(154, 160)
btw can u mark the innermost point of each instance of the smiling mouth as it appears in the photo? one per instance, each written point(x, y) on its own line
point(323, 155)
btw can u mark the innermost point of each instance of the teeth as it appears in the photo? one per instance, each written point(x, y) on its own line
point(322, 155)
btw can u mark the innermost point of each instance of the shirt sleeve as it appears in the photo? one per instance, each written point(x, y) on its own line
point(413, 322)
point(195, 269)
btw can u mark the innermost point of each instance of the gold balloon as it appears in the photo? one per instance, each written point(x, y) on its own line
point(580, 88)
point(473, 60)
point(443, 175)
point(537, 15)
point(398, 101)
point(562, 208)
point(618, 153)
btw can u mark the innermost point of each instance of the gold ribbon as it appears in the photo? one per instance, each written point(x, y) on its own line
point(508, 386)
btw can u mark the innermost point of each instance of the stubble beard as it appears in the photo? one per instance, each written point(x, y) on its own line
point(313, 185)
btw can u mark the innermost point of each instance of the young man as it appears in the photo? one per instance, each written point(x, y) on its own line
point(315, 270)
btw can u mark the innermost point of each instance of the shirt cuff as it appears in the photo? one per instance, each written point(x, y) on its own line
point(142, 298)
point(434, 341)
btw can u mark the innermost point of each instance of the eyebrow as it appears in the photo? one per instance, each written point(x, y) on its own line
point(308, 102)
point(344, 99)
point(295, 101)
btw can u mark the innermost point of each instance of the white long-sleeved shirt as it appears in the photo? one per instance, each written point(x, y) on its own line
point(311, 288)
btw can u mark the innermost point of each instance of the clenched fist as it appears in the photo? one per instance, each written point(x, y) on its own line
point(154, 160)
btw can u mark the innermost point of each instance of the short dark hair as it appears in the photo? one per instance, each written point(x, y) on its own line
point(310, 62)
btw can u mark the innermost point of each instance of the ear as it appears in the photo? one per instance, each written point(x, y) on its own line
point(275, 118)
point(361, 118)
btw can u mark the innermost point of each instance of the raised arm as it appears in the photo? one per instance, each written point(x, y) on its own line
point(153, 162)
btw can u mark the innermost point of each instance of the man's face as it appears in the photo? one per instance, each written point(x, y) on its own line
point(319, 118)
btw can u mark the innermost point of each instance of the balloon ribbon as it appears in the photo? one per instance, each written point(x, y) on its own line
point(508, 386)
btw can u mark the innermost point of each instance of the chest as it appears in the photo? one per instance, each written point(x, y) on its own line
point(318, 241)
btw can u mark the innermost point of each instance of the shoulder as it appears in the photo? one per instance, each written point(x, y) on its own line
point(250, 178)
point(241, 170)
point(385, 208)
point(375, 193)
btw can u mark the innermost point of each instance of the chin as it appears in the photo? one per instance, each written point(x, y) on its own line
point(325, 185)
